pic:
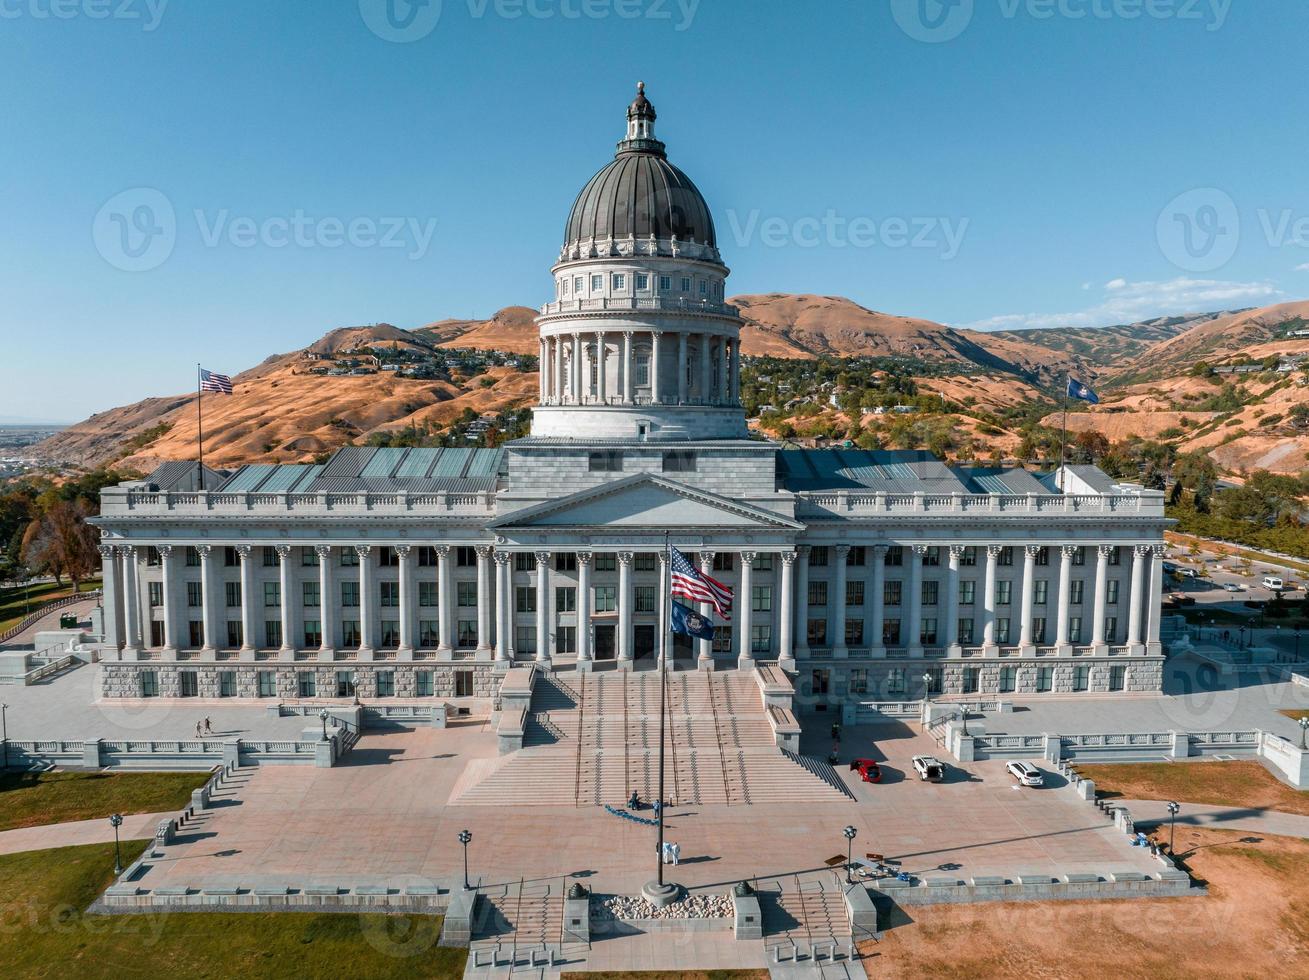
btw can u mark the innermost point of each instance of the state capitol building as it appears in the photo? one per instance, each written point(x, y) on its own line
point(424, 573)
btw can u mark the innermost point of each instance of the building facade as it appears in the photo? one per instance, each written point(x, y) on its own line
point(414, 573)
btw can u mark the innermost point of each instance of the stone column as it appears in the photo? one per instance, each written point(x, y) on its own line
point(628, 390)
point(736, 373)
point(504, 606)
point(327, 599)
point(405, 553)
point(543, 371)
point(1101, 596)
point(1029, 587)
point(988, 598)
point(208, 621)
point(366, 628)
point(1153, 599)
point(584, 611)
point(876, 647)
point(288, 600)
point(601, 368)
point(706, 370)
point(109, 603)
point(683, 369)
point(951, 635)
point(543, 607)
point(625, 600)
point(655, 337)
point(914, 641)
point(705, 661)
point(445, 610)
point(133, 641)
point(802, 603)
point(1065, 596)
point(1139, 553)
point(786, 617)
point(577, 369)
point(483, 598)
point(745, 613)
point(838, 608)
point(244, 552)
point(559, 369)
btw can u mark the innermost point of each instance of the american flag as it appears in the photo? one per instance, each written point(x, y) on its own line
point(691, 583)
point(220, 383)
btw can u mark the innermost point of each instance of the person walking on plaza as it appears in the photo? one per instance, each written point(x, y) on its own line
point(675, 850)
point(197, 730)
point(208, 728)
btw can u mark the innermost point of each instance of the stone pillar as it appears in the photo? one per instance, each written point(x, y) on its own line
point(445, 612)
point(168, 575)
point(244, 552)
point(288, 600)
point(744, 614)
point(543, 607)
point(951, 634)
point(1065, 596)
point(786, 619)
point(838, 603)
point(577, 369)
point(366, 629)
point(625, 600)
point(504, 605)
point(1029, 587)
point(483, 598)
point(543, 371)
point(1139, 553)
point(655, 337)
point(705, 661)
point(735, 394)
point(132, 642)
point(109, 576)
point(584, 611)
point(404, 553)
point(327, 617)
point(802, 603)
point(1101, 596)
point(208, 621)
point(557, 380)
point(988, 598)
point(914, 642)
point(683, 369)
point(601, 368)
point(876, 647)
point(1153, 599)
point(706, 370)
point(628, 390)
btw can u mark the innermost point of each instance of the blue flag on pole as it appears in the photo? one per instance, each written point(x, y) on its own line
point(688, 622)
point(1082, 391)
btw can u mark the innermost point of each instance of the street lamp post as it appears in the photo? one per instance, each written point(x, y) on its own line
point(116, 821)
point(464, 837)
point(4, 735)
point(1304, 730)
point(1173, 808)
point(322, 715)
point(927, 686)
point(849, 832)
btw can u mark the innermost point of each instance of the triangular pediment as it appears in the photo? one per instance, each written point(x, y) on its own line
point(645, 501)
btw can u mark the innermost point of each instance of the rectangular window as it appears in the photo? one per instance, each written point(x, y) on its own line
point(969, 558)
point(1044, 680)
point(1006, 556)
point(428, 635)
point(566, 639)
point(387, 557)
point(932, 557)
point(891, 632)
point(818, 556)
point(149, 684)
point(525, 639)
point(620, 281)
point(467, 632)
point(349, 558)
point(227, 683)
point(854, 632)
point(686, 284)
point(606, 461)
point(605, 598)
point(1075, 593)
point(345, 683)
point(1081, 678)
point(309, 557)
point(270, 557)
point(854, 593)
point(934, 678)
point(606, 561)
point(524, 561)
point(1002, 629)
point(566, 599)
point(965, 631)
point(894, 556)
point(192, 557)
point(642, 281)
point(891, 593)
point(597, 283)
point(856, 557)
point(272, 594)
point(525, 599)
point(231, 557)
point(234, 634)
point(196, 633)
point(272, 633)
point(761, 598)
point(665, 283)
point(816, 630)
point(427, 556)
point(466, 557)
point(350, 635)
point(704, 288)
point(1074, 629)
point(1003, 593)
point(350, 595)
point(764, 562)
point(1079, 556)
point(565, 561)
point(313, 633)
point(232, 593)
point(1117, 677)
point(157, 594)
point(817, 593)
point(194, 595)
point(311, 594)
point(722, 642)
point(930, 592)
point(466, 595)
point(578, 284)
point(1111, 629)
point(189, 684)
point(679, 461)
point(423, 686)
point(927, 633)
point(967, 593)
point(1008, 679)
point(386, 683)
point(643, 598)
point(1038, 630)
point(390, 594)
point(858, 680)
point(266, 683)
point(1043, 556)
point(1115, 556)
point(1111, 591)
point(645, 561)
point(972, 679)
point(428, 596)
point(390, 634)
point(723, 561)
point(761, 639)
point(1040, 590)
point(306, 684)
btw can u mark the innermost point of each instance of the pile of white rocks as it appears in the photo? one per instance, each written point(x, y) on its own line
point(691, 907)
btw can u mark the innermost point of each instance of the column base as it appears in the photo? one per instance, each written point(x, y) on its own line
point(841, 652)
point(915, 652)
point(444, 649)
point(1100, 649)
point(364, 655)
point(1136, 649)
point(877, 652)
point(624, 664)
point(1154, 649)
point(484, 648)
point(704, 663)
point(209, 656)
point(131, 654)
point(543, 661)
point(1027, 649)
point(1063, 650)
point(585, 666)
point(745, 663)
point(286, 655)
point(990, 649)
point(326, 655)
point(404, 654)
point(246, 655)
point(954, 650)
point(786, 664)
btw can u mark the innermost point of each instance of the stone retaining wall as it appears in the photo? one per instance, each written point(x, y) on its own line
point(123, 680)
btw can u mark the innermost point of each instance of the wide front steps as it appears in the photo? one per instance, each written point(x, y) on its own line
point(804, 916)
point(518, 928)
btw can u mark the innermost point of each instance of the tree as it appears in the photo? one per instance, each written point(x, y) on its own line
point(62, 543)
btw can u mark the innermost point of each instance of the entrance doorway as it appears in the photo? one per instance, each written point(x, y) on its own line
point(822, 680)
point(605, 646)
point(643, 641)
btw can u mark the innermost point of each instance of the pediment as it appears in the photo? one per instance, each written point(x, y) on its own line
point(645, 501)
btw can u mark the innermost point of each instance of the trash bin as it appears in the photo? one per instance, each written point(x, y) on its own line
point(67, 621)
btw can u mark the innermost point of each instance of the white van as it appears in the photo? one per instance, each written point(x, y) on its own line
point(1273, 582)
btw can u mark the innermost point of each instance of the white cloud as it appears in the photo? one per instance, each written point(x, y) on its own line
point(1131, 302)
point(1302, 268)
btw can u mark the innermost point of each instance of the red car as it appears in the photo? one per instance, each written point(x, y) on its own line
point(869, 771)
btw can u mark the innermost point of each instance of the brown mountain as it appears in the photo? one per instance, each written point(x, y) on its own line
point(1107, 347)
point(511, 329)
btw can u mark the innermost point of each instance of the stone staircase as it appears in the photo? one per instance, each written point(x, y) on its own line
point(806, 926)
point(518, 929)
point(593, 739)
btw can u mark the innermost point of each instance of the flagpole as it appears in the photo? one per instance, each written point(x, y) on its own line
point(1063, 438)
point(663, 694)
point(199, 426)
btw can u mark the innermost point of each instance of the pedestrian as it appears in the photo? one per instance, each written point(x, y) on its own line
point(197, 730)
point(208, 728)
point(658, 808)
point(676, 851)
point(667, 854)
point(634, 802)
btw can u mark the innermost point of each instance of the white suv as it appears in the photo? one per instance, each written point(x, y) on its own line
point(929, 768)
point(1026, 773)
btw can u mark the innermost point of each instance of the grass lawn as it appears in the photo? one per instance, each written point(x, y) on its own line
point(30, 799)
point(13, 607)
point(1229, 550)
point(1242, 783)
point(44, 932)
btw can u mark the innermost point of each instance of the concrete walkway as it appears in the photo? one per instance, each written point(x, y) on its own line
point(135, 827)
point(1220, 817)
point(50, 621)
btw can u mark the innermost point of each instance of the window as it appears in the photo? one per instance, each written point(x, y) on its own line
point(1117, 677)
point(423, 683)
point(606, 561)
point(605, 598)
point(817, 593)
point(932, 558)
point(1038, 629)
point(525, 639)
point(1041, 589)
point(578, 284)
point(854, 632)
point(967, 593)
point(761, 598)
point(643, 598)
point(190, 684)
point(313, 633)
point(723, 561)
point(463, 683)
point(642, 281)
point(390, 594)
point(566, 599)
point(311, 593)
point(641, 376)
point(1043, 556)
point(686, 284)
point(972, 679)
point(270, 557)
point(428, 635)
point(1074, 629)
point(566, 639)
point(704, 288)
point(1006, 556)
point(1075, 593)
point(895, 680)
point(816, 631)
point(565, 561)
point(1008, 679)
point(390, 633)
point(427, 557)
point(969, 558)
point(761, 639)
point(1079, 556)
point(1111, 629)
point(192, 557)
point(1111, 591)
point(387, 557)
point(466, 557)
point(1003, 593)
point(194, 595)
point(597, 283)
point(891, 632)
point(428, 596)
point(227, 683)
point(645, 561)
point(891, 593)
point(149, 683)
point(965, 631)
point(386, 683)
point(1002, 630)
point(308, 558)
point(350, 595)
point(722, 639)
point(272, 633)
point(525, 599)
point(665, 283)
point(930, 592)
point(345, 683)
point(349, 558)
point(306, 684)
point(235, 637)
point(679, 461)
point(350, 635)
point(858, 680)
point(466, 595)
point(524, 561)
point(157, 594)
point(266, 683)
point(1044, 680)
point(231, 557)
point(894, 556)
point(195, 630)
point(1081, 678)
point(152, 557)
point(467, 632)
point(272, 594)
point(231, 591)
point(934, 677)
point(1115, 556)
point(927, 632)
point(818, 556)
point(854, 593)
point(856, 557)
point(620, 281)
point(607, 461)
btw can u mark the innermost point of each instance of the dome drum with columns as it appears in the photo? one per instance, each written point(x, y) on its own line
point(638, 342)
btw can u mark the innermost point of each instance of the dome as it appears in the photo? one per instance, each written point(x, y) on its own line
point(640, 194)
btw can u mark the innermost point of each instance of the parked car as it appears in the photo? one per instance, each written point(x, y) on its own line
point(929, 768)
point(1233, 587)
point(869, 771)
point(1191, 572)
point(1026, 773)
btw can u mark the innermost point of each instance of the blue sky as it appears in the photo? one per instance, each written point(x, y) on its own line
point(220, 180)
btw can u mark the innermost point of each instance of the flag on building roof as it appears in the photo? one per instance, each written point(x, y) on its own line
point(691, 583)
point(220, 383)
point(1082, 391)
point(688, 622)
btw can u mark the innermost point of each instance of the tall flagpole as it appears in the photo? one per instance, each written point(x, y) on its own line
point(663, 694)
point(199, 426)
point(1063, 438)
